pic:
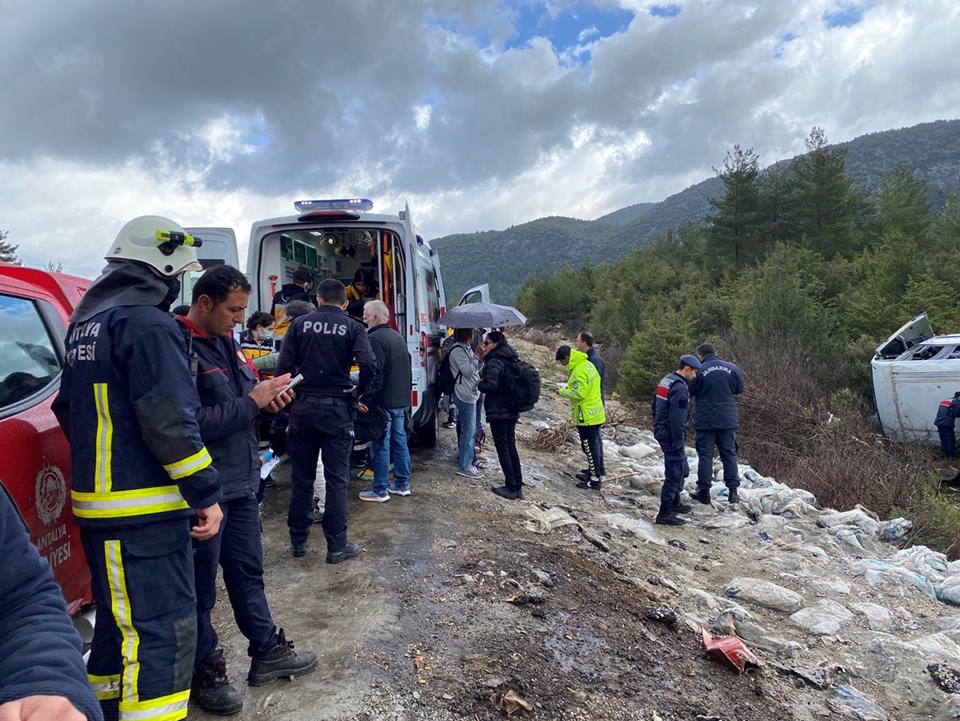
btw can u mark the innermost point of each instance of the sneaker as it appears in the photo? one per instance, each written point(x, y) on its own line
point(479, 465)
point(505, 492)
point(701, 496)
point(211, 689)
point(374, 497)
point(351, 550)
point(470, 472)
point(280, 662)
point(395, 490)
point(298, 549)
point(450, 424)
point(733, 496)
point(593, 484)
point(366, 474)
point(670, 520)
point(583, 475)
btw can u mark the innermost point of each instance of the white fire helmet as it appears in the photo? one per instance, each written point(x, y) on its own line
point(159, 242)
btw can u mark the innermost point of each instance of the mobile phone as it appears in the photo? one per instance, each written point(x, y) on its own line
point(293, 381)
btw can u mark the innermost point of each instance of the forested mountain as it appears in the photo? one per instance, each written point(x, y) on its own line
point(929, 152)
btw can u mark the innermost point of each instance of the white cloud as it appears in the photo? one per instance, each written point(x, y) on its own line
point(104, 120)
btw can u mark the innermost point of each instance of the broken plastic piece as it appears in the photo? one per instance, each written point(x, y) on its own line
point(729, 651)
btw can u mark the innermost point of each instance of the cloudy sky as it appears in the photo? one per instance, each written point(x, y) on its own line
point(481, 113)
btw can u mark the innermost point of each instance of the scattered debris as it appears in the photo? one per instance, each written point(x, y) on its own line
point(549, 519)
point(764, 593)
point(510, 702)
point(849, 702)
point(945, 677)
point(662, 614)
point(730, 652)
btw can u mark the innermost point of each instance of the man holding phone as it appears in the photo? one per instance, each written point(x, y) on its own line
point(230, 401)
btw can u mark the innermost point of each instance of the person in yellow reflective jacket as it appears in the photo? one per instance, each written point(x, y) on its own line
point(586, 404)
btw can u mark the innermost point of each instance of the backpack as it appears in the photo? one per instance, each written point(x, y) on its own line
point(519, 386)
point(446, 381)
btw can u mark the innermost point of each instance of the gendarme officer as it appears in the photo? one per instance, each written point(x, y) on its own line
point(322, 346)
point(671, 408)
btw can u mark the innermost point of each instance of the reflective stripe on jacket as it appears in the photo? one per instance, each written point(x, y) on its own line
point(128, 404)
point(583, 390)
point(671, 409)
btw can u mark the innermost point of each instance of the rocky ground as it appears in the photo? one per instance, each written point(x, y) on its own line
point(573, 605)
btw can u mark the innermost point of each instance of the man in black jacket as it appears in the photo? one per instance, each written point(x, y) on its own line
point(322, 346)
point(40, 662)
point(394, 398)
point(715, 420)
point(297, 289)
point(230, 401)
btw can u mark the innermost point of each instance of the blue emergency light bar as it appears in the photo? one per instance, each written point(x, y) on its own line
point(355, 204)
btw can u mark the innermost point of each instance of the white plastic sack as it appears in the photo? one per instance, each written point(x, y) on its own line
point(824, 618)
point(637, 452)
point(639, 528)
point(764, 593)
point(878, 617)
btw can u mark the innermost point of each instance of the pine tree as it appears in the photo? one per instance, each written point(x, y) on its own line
point(8, 251)
point(902, 203)
point(775, 219)
point(825, 203)
point(734, 225)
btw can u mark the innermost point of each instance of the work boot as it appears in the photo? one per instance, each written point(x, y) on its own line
point(681, 507)
point(298, 549)
point(583, 475)
point(703, 496)
point(507, 493)
point(351, 550)
point(669, 520)
point(280, 662)
point(733, 496)
point(211, 689)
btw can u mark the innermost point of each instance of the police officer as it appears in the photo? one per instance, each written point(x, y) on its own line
point(671, 408)
point(322, 346)
point(947, 413)
point(141, 474)
point(716, 421)
point(231, 401)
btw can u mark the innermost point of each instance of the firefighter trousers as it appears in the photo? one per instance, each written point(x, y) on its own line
point(141, 656)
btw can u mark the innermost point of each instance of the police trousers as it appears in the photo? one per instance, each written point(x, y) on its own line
point(141, 656)
point(592, 444)
point(725, 441)
point(322, 429)
point(948, 440)
point(675, 471)
point(237, 549)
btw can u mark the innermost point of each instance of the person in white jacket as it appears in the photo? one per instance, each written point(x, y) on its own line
point(465, 367)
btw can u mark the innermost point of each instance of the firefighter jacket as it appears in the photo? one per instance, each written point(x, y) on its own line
point(583, 390)
point(128, 405)
point(227, 412)
point(947, 413)
point(714, 388)
point(671, 409)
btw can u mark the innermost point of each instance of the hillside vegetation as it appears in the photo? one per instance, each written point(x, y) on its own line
point(797, 274)
point(930, 152)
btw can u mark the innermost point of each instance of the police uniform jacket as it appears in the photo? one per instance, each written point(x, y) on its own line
point(322, 345)
point(714, 388)
point(128, 404)
point(947, 413)
point(394, 360)
point(227, 412)
point(41, 649)
point(671, 408)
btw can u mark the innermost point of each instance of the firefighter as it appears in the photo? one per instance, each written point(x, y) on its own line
point(322, 346)
point(141, 474)
point(947, 413)
point(671, 409)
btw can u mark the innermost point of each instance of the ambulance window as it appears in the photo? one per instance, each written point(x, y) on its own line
point(432, 293)
point(29, 362)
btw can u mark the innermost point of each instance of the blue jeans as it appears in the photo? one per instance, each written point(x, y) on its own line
point(466, 432)
point(393, 444)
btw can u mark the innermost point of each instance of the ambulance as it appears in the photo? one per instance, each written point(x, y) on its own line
point(335, 239)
